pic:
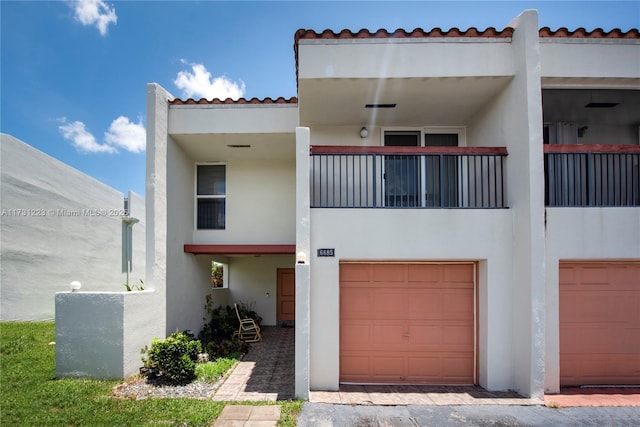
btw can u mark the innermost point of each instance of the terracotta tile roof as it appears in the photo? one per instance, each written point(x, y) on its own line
point(598, 33)
point(401, 33)
point(228, 101)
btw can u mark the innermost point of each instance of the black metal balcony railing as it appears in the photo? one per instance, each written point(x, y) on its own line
point(592, 175)
point(407, 177)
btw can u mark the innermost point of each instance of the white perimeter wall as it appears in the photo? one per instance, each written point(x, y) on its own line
point(57, 242)
point(100, 334)
point(399, 234)
point(588, 234)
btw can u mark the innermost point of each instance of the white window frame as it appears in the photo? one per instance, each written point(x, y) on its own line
point(461, 131)
point(198, 197)
point(225, 274)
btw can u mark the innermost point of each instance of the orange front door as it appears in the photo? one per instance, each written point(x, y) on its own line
point(286, 298)
point(407, 323)
point(599, 323)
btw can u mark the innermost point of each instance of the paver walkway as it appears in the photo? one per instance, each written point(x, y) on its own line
point(248, 416)
point(267, 372)
point(418, 395)
point(594, 396)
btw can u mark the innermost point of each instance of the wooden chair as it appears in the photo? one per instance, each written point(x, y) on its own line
point(248, 330)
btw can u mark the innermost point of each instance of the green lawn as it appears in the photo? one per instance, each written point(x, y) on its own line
point(31, 396)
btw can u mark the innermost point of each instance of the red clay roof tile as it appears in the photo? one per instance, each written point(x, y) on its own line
point(216, 101)
point(598, 33)
point(401, 33)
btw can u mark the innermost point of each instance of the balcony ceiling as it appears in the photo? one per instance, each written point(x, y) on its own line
point(568, 105)
point(446, 101)
point(216, 147)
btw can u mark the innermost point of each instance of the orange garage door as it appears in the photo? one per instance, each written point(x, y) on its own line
point(407, 323)
point(599, 323)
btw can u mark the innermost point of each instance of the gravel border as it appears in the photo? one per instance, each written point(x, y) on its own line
point(139, 387)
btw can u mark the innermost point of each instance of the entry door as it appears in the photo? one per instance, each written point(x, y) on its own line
point(286, 298)
point(402, 173)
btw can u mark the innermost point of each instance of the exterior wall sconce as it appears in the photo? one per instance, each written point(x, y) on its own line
point(364, 132)
point(301, 258)
point(75, 286)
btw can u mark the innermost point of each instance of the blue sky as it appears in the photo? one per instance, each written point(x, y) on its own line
point(74, 74)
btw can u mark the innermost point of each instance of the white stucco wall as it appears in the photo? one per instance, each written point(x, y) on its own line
point(233, 119)
point(405, 234)
point(404, 58)
point(588, 234)
point(260, 204)
point(100, 334)
point(58, 225)
point(590, 58)
point(156, 199)
point(187, 276)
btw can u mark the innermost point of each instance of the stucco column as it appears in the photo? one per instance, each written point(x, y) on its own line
point(156, 198)
point(526, 192)
point(303, 275)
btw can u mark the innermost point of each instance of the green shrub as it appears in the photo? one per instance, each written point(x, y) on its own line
point(173, 358)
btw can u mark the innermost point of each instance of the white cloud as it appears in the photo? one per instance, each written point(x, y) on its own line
point(122, 133)
point(82, 139)
point(95, 12)
point(126, 134)
point(198, 83)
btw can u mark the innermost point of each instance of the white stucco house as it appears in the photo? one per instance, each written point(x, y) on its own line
point(434, 207)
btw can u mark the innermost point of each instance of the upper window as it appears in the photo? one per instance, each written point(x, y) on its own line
point(211, 197)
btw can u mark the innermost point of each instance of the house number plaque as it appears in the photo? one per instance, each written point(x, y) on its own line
point(327, 252)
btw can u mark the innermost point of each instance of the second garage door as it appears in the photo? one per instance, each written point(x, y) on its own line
point(599, 323)
point(407, 323)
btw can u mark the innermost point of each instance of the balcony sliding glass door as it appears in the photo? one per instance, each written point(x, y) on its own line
point(420, 181)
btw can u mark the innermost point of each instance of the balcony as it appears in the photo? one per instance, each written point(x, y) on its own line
point(592, 175)
point(408, 177)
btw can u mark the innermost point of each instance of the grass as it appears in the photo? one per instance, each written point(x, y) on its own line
point(31, 396)
point(211, 371)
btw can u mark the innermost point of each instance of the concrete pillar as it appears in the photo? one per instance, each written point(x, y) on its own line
point(303, 269)
point(526, 193)
point(156, 196)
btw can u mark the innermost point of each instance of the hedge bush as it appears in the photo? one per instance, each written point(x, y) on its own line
point(173, 358)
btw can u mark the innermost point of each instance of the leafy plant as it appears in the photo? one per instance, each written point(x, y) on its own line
point(174, 357)
point(130, 288)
